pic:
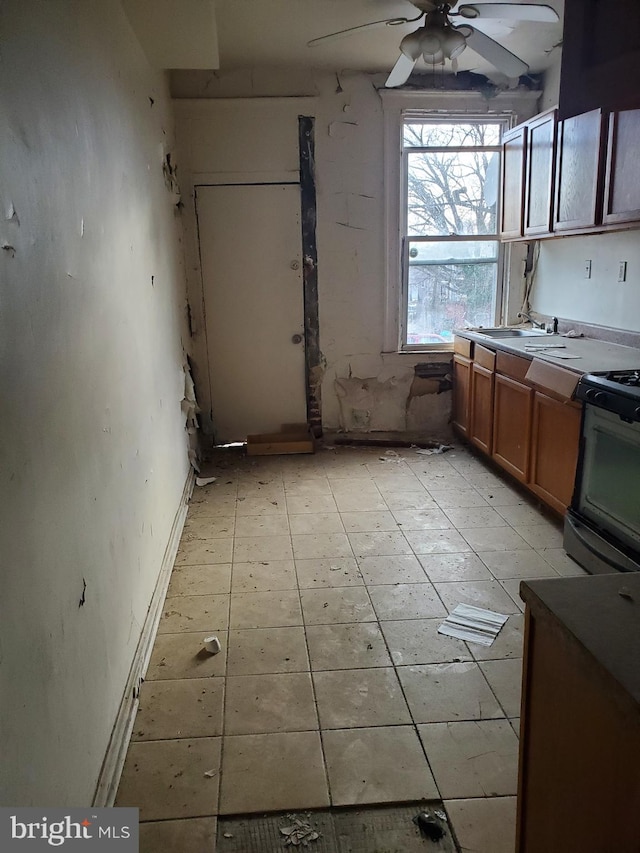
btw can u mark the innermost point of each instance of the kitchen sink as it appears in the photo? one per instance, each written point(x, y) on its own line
point(511, 333)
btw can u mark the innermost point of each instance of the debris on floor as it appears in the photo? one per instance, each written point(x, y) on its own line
point(432, 451)
point(372, 829)
point(298, 832)
point(205, 481)
point(391, 456)
point(429, 824)
point(473, 624)
point(212, 645)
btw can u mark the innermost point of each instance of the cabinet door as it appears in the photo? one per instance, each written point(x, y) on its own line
point(512, 409)
point(600, 56)
point(481, 419)
point(512, 184)
point(541, 141)
point(578, 172)
point(622, 184)
point(555, 439)
point(461, 391)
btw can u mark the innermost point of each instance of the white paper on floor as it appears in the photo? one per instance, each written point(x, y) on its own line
point(473, 624)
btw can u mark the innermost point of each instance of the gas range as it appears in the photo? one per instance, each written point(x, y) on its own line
point(615, 391)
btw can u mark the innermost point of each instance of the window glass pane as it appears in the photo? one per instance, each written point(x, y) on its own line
point(439, 134)
point(448, 296)
point(452, 192)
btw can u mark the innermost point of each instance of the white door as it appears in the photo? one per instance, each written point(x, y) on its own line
point(250, 248)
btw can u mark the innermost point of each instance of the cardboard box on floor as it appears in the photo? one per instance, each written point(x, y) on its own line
point(292, 438)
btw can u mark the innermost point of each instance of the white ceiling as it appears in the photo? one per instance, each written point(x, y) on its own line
point(275, 33)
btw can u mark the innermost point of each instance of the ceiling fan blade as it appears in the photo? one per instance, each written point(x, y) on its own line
point(508, 11)
point(501, 58)
point(390, 22)
point(400, 72)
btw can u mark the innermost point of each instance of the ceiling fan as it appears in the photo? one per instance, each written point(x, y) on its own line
point(445, 32)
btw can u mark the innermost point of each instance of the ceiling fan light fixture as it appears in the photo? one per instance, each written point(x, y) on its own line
point(436, 58)
point(431, 42)
point(453, 43)
point(411, 45)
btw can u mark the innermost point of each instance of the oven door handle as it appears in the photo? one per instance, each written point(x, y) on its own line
point(593, 549)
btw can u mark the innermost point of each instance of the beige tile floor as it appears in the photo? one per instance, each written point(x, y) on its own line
point(325, 578)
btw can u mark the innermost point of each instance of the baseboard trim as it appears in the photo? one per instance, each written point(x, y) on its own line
point(111, 770)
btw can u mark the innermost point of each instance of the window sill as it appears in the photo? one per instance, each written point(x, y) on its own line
point(439, 349)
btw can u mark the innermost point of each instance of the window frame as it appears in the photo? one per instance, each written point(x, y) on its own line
point(405, 238)
point(398, 106)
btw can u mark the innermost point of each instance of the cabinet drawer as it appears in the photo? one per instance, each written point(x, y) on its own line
point(462, 346)
point(512, 365)
point(553, 380)
point(484, 357)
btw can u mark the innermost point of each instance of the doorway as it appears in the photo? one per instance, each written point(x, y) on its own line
point(250, 250)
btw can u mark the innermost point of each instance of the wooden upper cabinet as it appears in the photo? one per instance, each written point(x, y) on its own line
point(540, 163)
point(512, 184)
point(578, 172)
point(622, 183)
point(600, 56)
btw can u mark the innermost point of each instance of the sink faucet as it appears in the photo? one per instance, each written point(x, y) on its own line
point(524, 316)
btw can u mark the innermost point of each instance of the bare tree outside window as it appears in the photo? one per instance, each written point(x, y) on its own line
point(450, 242)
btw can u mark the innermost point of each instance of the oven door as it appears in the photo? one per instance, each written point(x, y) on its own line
point(608, 485)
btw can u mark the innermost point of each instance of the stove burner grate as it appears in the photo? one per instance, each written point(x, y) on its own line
point(624, 377)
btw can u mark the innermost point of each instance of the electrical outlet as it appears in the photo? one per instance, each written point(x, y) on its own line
point(587, 269)
point(622, 271)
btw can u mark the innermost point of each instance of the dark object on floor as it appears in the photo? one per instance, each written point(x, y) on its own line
point(429, 826)
point(376, 829)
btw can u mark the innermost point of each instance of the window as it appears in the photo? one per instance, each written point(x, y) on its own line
point(451, 260)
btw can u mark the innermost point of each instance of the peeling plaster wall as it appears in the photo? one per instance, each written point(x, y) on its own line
point(93, 452)
point(363, 388)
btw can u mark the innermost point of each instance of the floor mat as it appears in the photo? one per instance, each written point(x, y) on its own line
point(382, 829)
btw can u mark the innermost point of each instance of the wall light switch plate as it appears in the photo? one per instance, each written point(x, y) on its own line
point(587, 269)
point(622, 271)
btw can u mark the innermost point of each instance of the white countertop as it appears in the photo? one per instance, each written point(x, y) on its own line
point(592, 356)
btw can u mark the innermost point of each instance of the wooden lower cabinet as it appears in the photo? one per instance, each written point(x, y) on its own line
point(555, 437)
point(531, 431)
point(461, 392)
point(481, 415)
point(512, 409)
point(578, 780)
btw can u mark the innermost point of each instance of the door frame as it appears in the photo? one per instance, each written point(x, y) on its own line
point(312, 353)
point(308, 214)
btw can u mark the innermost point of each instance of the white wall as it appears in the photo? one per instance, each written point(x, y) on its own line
point(551, 90)
point(561, 289)
point(93, 455)
point(364, 388)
